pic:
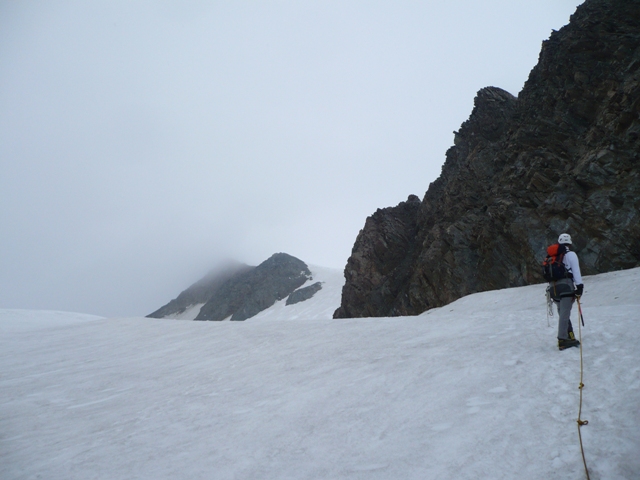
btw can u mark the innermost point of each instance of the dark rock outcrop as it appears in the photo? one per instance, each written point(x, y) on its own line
point(249, 294)
point(380, 261)
point(303, 294)
point(243, 293)
point(201, 291)
point(561, 157)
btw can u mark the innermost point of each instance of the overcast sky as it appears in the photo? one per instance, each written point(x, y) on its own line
point(143, 141)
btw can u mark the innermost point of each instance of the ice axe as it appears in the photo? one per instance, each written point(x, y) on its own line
point(580, 311)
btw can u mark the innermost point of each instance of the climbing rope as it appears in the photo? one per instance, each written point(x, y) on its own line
point(580, 421)
point(549, 307)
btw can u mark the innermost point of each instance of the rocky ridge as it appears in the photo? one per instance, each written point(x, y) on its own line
point(200, 292)
point(561, 157)
point(240, 291)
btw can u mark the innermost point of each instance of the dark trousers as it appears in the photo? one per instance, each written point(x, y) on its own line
point(562, 294)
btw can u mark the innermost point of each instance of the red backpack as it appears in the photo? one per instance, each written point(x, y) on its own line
point(553, 266)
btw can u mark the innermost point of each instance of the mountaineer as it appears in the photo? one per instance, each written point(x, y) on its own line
point(561, 269)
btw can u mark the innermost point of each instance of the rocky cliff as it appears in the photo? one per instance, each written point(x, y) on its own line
point(240, 291)
point(561, 157)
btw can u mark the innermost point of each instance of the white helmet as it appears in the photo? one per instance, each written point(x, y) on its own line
point(564, 239)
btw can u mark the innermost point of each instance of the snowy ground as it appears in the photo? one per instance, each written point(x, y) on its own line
point(474, 390)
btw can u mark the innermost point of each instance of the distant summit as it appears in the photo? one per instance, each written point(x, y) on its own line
point(188, 304)
point(239, 291)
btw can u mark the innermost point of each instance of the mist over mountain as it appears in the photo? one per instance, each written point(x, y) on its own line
point(562, 156)
point(239, 291)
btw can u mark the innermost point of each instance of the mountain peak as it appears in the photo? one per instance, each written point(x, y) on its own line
point(238, 291)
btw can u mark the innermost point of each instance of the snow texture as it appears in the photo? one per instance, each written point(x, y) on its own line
point(190, 313)
point(473, 390)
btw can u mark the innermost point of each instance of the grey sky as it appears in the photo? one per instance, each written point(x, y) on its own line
point(143, 141)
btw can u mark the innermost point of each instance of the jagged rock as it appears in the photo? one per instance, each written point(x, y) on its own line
point(380, 260)
point(562, 157)
point(303, 294)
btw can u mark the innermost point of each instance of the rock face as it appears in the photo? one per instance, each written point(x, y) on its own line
point(200, 292)
point(242, 293)
point(249, 294)
point(561, 157)
point(303, 294)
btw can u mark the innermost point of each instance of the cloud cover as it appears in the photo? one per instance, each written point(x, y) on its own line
point(143, 142)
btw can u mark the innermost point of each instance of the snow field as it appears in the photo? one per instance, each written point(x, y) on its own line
point(473, 390)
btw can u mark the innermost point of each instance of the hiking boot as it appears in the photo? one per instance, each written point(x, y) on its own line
point(567, 343)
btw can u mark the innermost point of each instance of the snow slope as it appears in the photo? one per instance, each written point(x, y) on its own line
point(473, 390)
point(319, 307)
point(12, 321)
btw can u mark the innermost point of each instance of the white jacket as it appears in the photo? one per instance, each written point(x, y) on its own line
point(572, 265)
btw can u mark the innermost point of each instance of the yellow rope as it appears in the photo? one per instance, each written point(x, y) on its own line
point(580, 421)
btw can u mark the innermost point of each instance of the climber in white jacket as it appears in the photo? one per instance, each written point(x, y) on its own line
point(565, 292)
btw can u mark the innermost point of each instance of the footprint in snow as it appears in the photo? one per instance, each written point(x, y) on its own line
point(511, 363)
point(369, 468)
point(474, 404)
point(441, 427)
point(498, 390)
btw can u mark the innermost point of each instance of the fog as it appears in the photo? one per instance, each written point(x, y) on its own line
point(142, 142)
